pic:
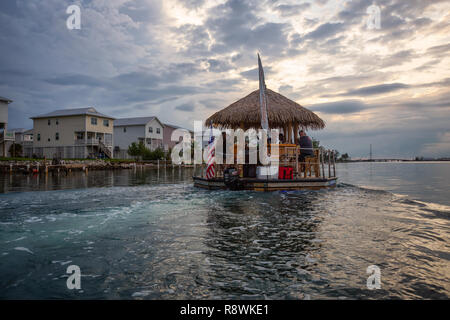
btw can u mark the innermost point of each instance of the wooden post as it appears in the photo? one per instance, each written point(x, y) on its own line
point(290, 133)
point(295, 133)
point(334, 165)
point(4, 137)
point(296, 162)
point(329, 163)
point(323, 166)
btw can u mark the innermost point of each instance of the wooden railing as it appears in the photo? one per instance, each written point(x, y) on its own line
point(320, 165)
point(104, 149)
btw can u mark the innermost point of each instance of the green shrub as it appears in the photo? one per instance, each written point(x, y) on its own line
point(15, 150)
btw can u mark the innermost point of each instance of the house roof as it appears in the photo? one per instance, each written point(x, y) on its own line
point(22, 130)
point(175, 127)
point(5, 99)
point(138, 121)
point(18, 130)
point(73, 112)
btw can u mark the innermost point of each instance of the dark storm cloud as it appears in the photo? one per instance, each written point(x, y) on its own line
point(192, 4)
point(439, 50)
point(252, 74)
point(223, 85)
point(75, 80)
point(235, 26)
point(325, 31)
point(292, 9)
point(286, 89)
point(185, 107)
point(340, 107)
point(212, 103)
point(377, 89)
point(219, 65)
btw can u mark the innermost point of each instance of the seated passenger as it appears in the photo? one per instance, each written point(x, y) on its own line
point(306, 146)
point(281, 138)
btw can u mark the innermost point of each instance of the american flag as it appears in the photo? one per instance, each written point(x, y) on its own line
point(210, 170)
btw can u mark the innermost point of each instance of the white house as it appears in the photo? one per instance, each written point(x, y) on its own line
point(4, 135)
point(24, 138)
point(148, 130)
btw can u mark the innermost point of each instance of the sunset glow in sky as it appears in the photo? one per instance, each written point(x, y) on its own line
point(184, 60)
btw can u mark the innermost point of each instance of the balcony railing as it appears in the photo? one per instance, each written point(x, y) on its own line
point(92, 142)
point(8, 136)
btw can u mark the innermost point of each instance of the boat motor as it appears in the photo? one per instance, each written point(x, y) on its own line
point(231, 179)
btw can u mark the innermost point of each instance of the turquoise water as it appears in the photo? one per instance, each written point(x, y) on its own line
point(149, 234)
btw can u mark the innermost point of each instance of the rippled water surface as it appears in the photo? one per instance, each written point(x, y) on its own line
point(149, 234)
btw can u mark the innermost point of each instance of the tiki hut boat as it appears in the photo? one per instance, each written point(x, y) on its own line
point(314, 172)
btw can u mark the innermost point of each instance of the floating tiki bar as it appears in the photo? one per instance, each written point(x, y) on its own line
point(288, 117)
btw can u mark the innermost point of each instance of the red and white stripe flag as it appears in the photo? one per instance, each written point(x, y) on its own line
point(210, 170)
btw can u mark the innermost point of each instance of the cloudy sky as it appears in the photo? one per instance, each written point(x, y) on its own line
point(184, 60)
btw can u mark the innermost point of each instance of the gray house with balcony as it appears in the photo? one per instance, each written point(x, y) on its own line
point(148, 130)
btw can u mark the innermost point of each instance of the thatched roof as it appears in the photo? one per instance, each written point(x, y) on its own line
point(245, 113)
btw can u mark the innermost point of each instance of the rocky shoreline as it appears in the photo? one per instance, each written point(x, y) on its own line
point(36, 166)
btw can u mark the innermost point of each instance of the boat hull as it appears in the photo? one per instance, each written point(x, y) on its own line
point(269, 184)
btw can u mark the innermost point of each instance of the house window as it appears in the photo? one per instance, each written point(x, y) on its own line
point(94, 121)
point(39, 137)
point(57, 136)
point(48, 122)
point(124, 129)
point(48, 139)
point(158, 130)
point(150, 129)
point(106, 123)
point(57, 121)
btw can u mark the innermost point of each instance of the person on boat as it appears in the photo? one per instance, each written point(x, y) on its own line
point(306, 146)
point(281, 138)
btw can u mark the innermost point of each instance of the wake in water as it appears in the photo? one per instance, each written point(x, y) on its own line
point(174, 241)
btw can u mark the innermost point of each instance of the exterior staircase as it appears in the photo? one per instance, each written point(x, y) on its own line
point(105, 149)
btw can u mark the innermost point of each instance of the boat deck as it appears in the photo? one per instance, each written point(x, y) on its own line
point(269, 184)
